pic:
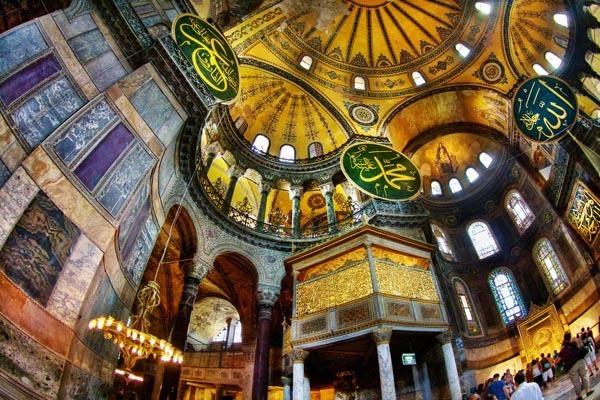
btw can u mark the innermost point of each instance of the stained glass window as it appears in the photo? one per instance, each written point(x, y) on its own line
point(482, 239)
point(507, 296)
point(546, 258)
point(518, 210)
point(466, 304)
point(442, 242)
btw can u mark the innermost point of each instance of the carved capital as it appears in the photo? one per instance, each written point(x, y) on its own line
point(197, 269)
point(286, 381)
point(295, 191)
point(444, 337)
point(265, 187)
point(298, 355)
point(236, 171)
point(327, 189)
point(266, 297)
point(382, 335)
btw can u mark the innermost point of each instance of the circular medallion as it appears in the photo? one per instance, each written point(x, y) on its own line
point(491, 71)
point(451, 220)
point(316, 201)
point(363, 114)
point(489, 205)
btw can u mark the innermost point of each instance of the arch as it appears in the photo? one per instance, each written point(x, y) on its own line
point(548, 262)
point(470, 316)
point(454, 185)
point(506, 295)
point(519, 210)
point(360, 83)
point(306, 62)
point(482, 239)
point(261, 144)
point(287, 153)
point(436, 188)
point(472, 174)
point(443, 243)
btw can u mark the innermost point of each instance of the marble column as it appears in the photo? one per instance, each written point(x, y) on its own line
point(235, 172)
point(295, 193)
point(327, 191)
point(194, 273)
point(298, 356)
point(445, 339)
point(306, 388)
point(266, 298)
point(287, 389)
point(264, 188)
point(425, 382)
point(382, 337)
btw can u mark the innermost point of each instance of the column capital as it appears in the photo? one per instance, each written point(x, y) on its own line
point(235, 171)
point(286, 381)
point(444, 337)
point(266, 297)
point(298, 355)
point(198, 268)
point(295, 191)
point(327, 188)
point(382, 335)
point(265, 186)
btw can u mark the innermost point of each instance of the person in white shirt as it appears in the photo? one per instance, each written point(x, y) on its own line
point(526, 390)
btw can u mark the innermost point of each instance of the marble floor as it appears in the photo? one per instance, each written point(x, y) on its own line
point(563, 389)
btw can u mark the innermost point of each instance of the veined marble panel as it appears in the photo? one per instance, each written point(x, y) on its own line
point(29, 362)
point(105, 70)
point(4, 173)
point(20, 45)
point(37, 249)
point(89, 45)
point(28, 77)
point(71, 27)
point(134, 218)
point(39, 115)
point(82, 385)
point(15, 196)
point(124, 177)
point(141, 251)
point(74, 280)
point(70, 143)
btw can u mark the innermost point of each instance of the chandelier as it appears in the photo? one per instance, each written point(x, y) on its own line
point(134, 340)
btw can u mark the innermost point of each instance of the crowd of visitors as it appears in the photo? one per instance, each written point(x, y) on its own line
point(576, 358)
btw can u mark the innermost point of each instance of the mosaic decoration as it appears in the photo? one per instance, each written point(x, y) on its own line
point(329, 291)
point(210, 54)
point(545, 108)
point(583, 212)
point(363, 114)
point(20, 45)
point(381, 171)
point(38, 247)
point(412, 283)
point(491, 71)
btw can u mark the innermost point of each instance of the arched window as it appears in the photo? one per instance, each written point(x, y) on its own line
point(553, 59)
point(315, 149)
point(466, 304)
point(482, 239)
point(287, 153)
point(436, 188)
point(518, 210)
point(561, 19)
point(472, 174)
point(484, 8)
point(540, 70)
point(360, 83)
point(506, 294)
point(418, 78)
point(455, 186)
point(485, 159)
point(442, 242)
point(462, 49)
point(547, 260)
point(306, 62)
point(261, 144)
point(236, 334)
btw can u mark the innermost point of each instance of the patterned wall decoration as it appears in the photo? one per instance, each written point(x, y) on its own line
point(27, 361)
point(491, 71)
point(389, 255)
point(583, 213)
point(330, 266)
point(19, 46)
point(38, 247)
point(356, 314)
point(413, 283)
point(343, 286)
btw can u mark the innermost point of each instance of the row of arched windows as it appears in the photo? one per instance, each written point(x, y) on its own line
point(471, 174)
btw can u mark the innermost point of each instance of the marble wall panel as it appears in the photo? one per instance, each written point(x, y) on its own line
point(74, 280)
point(89, 45)
point(15, 196)
point(151, 104)
point(131, 168)
point(37, 117)
point(141, 251)
point(81, 385)
point(37, 249)
point(167, 168)
point(27, 361)
point(93, 168)
point(71, 27)
point(105, 70)
point(4, 173)
point(133, 220)
point(20, 45)
point(70, 143)
point(28, 77)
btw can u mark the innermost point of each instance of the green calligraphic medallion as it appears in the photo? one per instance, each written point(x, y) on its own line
point(210, 54)
point(545, 108)
point(381, 171)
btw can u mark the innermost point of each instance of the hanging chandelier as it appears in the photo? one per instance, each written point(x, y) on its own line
point(134, 340)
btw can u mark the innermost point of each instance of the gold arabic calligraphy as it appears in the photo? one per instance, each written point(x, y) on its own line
point(584, 213)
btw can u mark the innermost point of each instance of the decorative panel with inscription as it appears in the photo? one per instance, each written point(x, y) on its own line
point(583, 213)
point(413, 283)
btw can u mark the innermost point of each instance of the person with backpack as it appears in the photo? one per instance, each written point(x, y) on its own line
point(572, 358)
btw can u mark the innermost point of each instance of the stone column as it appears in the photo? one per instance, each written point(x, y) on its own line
point(235, 172)
point(327, 191)
point(298, 356)
point(266, 298)
point(287, 389)
point(194, 273)
point(218, 392)
point(445, 339)
point(306, 388)
point(425, 382)
point(295, 193)
point(382, 337)
point(265, 189)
